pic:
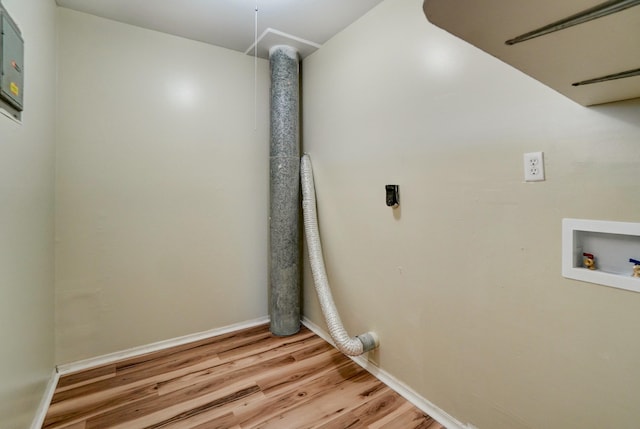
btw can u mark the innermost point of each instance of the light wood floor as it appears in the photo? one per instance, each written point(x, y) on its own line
point(246, 379)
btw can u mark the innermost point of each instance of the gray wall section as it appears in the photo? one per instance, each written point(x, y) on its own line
point(285, 188)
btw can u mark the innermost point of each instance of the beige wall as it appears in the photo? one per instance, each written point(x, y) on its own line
point(162, 184)
point(463, 282)
point(26, 223)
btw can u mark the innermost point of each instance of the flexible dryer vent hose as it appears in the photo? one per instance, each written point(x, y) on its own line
point(349, 346)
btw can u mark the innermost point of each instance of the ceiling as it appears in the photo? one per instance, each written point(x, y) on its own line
point(304, 24)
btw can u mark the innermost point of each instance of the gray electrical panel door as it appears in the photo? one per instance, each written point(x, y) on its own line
point(11, 62)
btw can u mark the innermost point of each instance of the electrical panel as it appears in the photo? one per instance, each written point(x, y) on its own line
point(11, 62)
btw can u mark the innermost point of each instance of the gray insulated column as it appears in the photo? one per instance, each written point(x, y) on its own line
point(285, 183)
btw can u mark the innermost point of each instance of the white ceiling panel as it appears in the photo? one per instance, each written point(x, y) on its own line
point(231, 23)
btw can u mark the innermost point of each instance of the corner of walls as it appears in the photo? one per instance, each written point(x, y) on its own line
point(27, 163)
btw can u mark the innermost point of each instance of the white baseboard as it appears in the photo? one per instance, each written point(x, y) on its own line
point(41, 412)
point(401, 388)
point(154, 347)
point(60, 370)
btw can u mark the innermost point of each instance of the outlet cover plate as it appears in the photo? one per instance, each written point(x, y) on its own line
point(533, 167)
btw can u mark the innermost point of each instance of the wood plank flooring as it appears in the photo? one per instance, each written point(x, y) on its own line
point(245, 379)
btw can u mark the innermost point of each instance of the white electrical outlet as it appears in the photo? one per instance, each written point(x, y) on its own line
point(533, 167)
